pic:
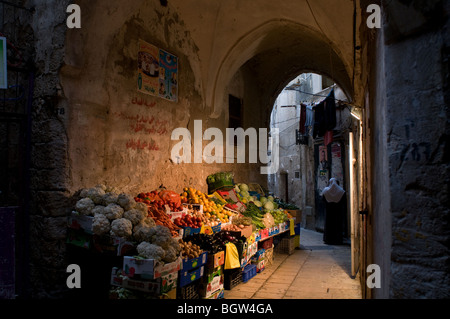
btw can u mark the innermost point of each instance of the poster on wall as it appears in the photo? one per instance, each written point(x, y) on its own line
point(336, 162)
point(322, 176)
point(157, 72)
point(148, 68)
point(3, 64)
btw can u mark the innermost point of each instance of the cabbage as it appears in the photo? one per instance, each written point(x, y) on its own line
point(243, 187)
point(257, 203)
point(269, 205)
point(245, 193)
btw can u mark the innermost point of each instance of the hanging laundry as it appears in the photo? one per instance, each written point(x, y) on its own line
point(328, 137)
point(319, 120)
point(302, 118)
point(330, 111)
point(309, 120)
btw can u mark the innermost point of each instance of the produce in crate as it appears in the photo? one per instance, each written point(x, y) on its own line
point(211, 209)
point(279, 215)
point(255, 213)
point(161, 198)
point(121, 227)
point(233, 227)
point(160, 245)
point(161, 218)
point(188, 220)
point(189, 250)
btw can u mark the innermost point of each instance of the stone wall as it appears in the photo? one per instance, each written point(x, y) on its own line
point(416, 123)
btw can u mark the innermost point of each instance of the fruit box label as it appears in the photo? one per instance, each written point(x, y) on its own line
point(148, 267)
point(77, 221)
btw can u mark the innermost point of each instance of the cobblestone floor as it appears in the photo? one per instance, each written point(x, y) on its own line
point(315, 271)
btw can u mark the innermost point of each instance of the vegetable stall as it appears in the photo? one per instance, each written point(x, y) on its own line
point(184, 244)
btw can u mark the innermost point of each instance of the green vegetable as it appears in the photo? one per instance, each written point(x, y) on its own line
point(269, 205)
point(244, 188)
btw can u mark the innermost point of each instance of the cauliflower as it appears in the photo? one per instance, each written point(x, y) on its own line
point(135, 216)
point(170, 255)
point(102, 186)
point(94, 193)
point(84, 206)
point(126, 201)
point(110, 189)
point(100, 224)
point(109, 198)
point(121, 227)
point(161, 235)
point(150, 251)
point(142, 207)
point(113, 211)
point(98, 209)
point(143, 230)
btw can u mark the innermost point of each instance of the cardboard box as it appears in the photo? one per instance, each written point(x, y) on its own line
point(186, 231)
point(274, 230)
point(216, 260)
point(77, 222)
point(264, 233)
point(148, 268)
point(189, 264)
point(161, 285)
point(296, 213)
point(79, 238)
point(188, 276)
point(218, 295)
point(260, 265)
point(211, 283)
point(246, 232)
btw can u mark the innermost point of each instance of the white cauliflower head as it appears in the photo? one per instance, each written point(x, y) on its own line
point(150, 251)
point(94, 193)
point(143, 230)
point(134, 215)
point(170, 255)
point(98, 209)
point(113, 211)
point(84, 206)
point(100, 224)
point(109, 198)
point(121, 227)
point(161, 236)
point(126, 201)
point(142, 207)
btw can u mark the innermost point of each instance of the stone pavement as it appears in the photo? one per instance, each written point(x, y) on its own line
point(315, 271)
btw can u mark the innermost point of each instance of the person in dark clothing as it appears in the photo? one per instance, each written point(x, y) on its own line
point(335, 206)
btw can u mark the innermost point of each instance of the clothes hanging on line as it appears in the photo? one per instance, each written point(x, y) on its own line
point(302, 127)
point(328, 137)
point(324, 116)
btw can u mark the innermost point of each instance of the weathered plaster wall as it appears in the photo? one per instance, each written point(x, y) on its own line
point(86, 101)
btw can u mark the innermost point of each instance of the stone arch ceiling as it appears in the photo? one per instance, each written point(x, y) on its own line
point(275, 40)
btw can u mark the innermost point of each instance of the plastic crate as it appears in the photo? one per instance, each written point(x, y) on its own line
point(188, 292)
point(232, 278)
point(286, 245)
point(249, 272)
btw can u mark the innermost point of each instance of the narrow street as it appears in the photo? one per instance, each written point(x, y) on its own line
point(315, 271)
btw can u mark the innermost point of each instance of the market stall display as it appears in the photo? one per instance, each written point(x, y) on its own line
point(176, 242)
